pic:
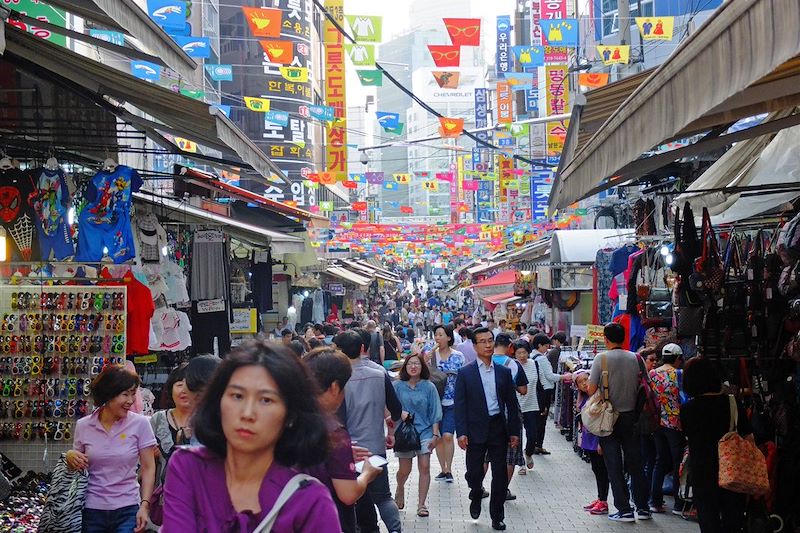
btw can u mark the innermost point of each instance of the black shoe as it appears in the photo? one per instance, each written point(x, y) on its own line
point(485, 493)
point(475, 509)
point(499, 525)
point(510, 496)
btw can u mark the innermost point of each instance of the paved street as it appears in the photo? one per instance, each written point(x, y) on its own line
point(549, 498)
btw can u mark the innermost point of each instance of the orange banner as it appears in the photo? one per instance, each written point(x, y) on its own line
point(593, 80)
point(505, 101)
point(464, 32)
point(279, 51)
point(451, 127)
point(335, 95)
point(263, 21)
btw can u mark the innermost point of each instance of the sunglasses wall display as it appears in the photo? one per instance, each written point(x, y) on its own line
point(53, 341)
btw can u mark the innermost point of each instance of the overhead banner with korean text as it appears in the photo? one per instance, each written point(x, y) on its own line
point(503, 56)
point(335, 96)
point(557, 103)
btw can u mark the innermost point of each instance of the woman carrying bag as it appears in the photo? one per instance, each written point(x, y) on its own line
point(447, 360)
point(421, 404)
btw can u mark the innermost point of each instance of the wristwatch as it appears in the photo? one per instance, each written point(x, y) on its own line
point(437, 436)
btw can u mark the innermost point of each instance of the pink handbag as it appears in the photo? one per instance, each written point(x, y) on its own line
point(742, 466)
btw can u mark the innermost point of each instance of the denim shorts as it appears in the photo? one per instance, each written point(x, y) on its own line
point(410, 455)
point(121, 520)
point(448, 423)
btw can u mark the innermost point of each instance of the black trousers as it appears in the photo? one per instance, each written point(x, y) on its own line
point(600, 475)
point(719, 510)
point(495, 449)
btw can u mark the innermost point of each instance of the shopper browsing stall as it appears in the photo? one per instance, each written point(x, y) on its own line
point(590, 444)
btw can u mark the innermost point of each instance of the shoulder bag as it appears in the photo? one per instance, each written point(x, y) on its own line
point(708, 273)
point(542, 395)
point(647, 405)
point(406, 436)
point(598, 415)
point(742, 466)
point(297, 482)
point(63, 508)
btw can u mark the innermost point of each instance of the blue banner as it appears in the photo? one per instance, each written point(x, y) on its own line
point(484, 211)
point(322, 112)
point(481, 111)
point(225, 109)
point(529, 56)
point(113, 37)
point(503, 56)
point(388, 120)
point(390, 185)
point(358, 178)
point(541, 184)
point(532, 101)
point(220, 72)
point(520, 81)
point(560, 32)
point(194, 46)
point(145, 70)
point(278, 118)
point(169, 14)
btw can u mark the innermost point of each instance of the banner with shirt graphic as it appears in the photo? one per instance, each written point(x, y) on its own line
point(365, 28)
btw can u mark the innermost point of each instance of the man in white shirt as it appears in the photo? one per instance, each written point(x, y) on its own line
point(548, 379)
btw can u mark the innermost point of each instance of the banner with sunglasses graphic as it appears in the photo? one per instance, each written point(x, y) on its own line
point(463, 32)
point(445, 55)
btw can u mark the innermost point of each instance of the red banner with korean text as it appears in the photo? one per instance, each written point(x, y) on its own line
point(553, 9)
point(335, 95)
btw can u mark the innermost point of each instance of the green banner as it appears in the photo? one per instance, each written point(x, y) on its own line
point(362, 55)
point(370, 77)
point(366, 29)
point(36, 9)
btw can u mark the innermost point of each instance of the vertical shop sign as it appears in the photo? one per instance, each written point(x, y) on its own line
point(335, 96)
point(505, 99)
point(532, 95)
point(505, 165)
point(553, 9)
point(481, 121)
point(483, 199)
point(557, 99)
point(40, 11)
point(503, 57)
point(536, 27)
point(541, 184)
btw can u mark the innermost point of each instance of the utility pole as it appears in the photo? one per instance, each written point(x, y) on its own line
point(624, 21)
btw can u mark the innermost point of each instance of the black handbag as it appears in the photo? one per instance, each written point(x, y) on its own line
point(406, 436)
point(543, 396)
point(734, 312)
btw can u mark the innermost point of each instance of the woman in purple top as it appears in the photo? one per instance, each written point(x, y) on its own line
point(258, 419)
point(111, 443)
point(590, 443)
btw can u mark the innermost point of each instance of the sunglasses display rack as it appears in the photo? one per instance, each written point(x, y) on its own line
point(54, 340)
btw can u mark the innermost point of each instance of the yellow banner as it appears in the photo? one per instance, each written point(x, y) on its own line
point(619, 54)
point(556, 135)
point(556, 89)
point(256, 104)
point(402, 179)
point(432, 186)
point(656, 28)
point(335, 94)
point(295, 74)
point(186, 145)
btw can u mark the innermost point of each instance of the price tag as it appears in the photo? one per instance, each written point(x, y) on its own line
point(210, 306)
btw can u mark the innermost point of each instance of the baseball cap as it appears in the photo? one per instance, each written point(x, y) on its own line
point(672, 349)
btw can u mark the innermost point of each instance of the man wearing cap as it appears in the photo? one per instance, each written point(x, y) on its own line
point(666, 383)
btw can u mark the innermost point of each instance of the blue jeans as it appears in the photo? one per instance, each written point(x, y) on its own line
point(378, 494)
point(114, 521)
point(625, 442)
point(669, 453)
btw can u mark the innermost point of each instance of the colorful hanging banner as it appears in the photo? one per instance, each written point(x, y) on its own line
point(481, 113)
point(450, 127)
point(444, 176)
point(370, 78)
point(390, 186)
point(656, 28)
point(358, 178)
point(374, 178)
point(256, 104)
point(359, 206)
point(402, 178)
point(294, 74)
point(362, 55)
point(447, 79)
point(327, 178)
point(520, 81)
point(556, 136)
point(562, 32)
point(396, 131)
point(529, 56)
point(387, 119)
point(464, 32)
point(113, 37)
point(335, 93)
point(504, 103)
point(194, 46)
point(186, 145)
point(593, 80)
point(281, 52)
point(279, 118)
point(322, 112)
point(349, 184)
point(263, 21)
point(445, 55)
point(226, 109)
point(145, 70)
point(557, 89)
point(610, 55)
point(220, 72)
point(169, 14)
point(503, 57)
point(431, 186)
point(325, 205)
point(470, 185)
point(365, 28)
point(406, 209)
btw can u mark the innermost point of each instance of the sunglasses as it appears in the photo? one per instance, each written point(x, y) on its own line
point(445, 55)
point(468, 31)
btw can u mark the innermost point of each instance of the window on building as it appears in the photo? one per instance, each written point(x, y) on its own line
point(611, 14)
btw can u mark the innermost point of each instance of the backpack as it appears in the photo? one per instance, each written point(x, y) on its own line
point(375, 343)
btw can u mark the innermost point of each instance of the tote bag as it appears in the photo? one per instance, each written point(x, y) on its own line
point(63, 508)
point(742, 466)
point(598, 415)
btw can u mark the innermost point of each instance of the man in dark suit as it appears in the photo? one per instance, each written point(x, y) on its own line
point(487, 422)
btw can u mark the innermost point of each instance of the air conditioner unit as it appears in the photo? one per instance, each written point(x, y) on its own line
point(545, 278)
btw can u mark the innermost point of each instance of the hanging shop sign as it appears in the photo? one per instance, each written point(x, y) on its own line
point(450, 127)
point(560, 32)
point(245, 321)
point(336, 289)
point(279, 51)
point(370, 78)
point(445, 55)
point(610, 55)
point(656, 28)
point(447, 79)
point(557, 89)
point(40, 11)
point(520, 81)
point(365, 29)
point(503, 55)
point(481, 112)
point(504, 103)
point(146, 70)
point(593, 80)
point(169, 14)
point(220, 72)
point(536, 18)
point(113, 37)
point(553, 9)
point(335, 95)
point(362, 55)
point(194, 46)
point(263, 21)
point(463, 32)
point(529, 56)
point(541, 184)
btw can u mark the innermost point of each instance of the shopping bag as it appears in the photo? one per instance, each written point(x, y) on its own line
point(406, 436)
point(598, 415)
point(742, 466)
point(63, 508)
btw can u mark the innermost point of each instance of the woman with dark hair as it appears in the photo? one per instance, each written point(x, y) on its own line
point(528, 404)
point(705, 418)
point(390, 343)
point(111, 442)
point(259, 417)
point(447, 360)
point(172, 425)
point(420, 399)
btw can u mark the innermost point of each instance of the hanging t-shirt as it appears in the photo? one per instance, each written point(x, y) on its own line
point(105, 221)
point(175, 329)
point(175, 280)
point(151, 237)
point(140, 311)
point(16, 213)
point(50, 201)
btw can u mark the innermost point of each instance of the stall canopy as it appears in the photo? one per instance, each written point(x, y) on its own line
point(182, 212)
point(502, 298)
point(742, 62)
point(581, 245)
point(348, 276)
point(498, 284)
point(129, 97)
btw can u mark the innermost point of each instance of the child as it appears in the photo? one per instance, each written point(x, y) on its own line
point(590, 443)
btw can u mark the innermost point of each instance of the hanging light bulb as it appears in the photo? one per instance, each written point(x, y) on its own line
point(664, 250)
point(164, 250)
point(669, 259)
point(105, 250)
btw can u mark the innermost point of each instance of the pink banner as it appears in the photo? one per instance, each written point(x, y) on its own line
point(444, 176)
point(471, 185)
point(553, 9)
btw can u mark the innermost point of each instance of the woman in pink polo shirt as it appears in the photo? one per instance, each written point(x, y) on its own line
point(111, 443)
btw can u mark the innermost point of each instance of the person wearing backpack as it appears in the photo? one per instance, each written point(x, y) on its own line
point(377, 352)
point(705, 419)
point(665, 383)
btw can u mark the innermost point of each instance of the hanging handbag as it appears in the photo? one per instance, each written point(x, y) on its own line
point(734, 313)
point(63, 507)
point(299, 481)
point(598, 415)
point(742, 466)
point(406, 436)
point(708, 275)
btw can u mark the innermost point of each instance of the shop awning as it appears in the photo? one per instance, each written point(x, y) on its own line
point(503, 278)
point(483, 267)
point(116, 90)
point(742, 62)
point(126, 16)
point(279, 243)
point(371, 271)
point(581, 245)
point(530, 252)
point(503, 298)
point(348, 276)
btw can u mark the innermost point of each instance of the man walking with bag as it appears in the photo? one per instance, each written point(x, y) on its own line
point(621, 448)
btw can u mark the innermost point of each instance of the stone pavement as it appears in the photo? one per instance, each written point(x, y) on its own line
point(549, 498)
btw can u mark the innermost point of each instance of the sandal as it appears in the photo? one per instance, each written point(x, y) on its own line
point(399, 499)
point(523, 471)
point(423, 511)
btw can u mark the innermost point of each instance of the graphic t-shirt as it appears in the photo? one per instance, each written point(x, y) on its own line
point(665, 384)
point(50, 200)
point(108, 195)
point(450, 367)
point(16, 213)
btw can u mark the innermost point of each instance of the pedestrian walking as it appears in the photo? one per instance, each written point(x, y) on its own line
point(548, 379)
point(449, 361)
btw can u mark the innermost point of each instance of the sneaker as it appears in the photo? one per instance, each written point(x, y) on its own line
point(529, 461)
point(449, 478)
point(642, 514)
point(658, 509)
point(591, 505)
point(600, 508)
point(509, 496)
point(622, 517)
point(441, 477)
point(485, 493)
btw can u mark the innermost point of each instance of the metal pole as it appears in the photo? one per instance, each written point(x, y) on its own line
point(624, 18)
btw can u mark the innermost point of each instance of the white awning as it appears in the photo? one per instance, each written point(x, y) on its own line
point(280, 243)
point(581, 245)
point(349, 276)
point(483, 267)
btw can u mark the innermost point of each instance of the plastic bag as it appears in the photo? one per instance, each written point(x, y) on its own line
point(406, 436)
